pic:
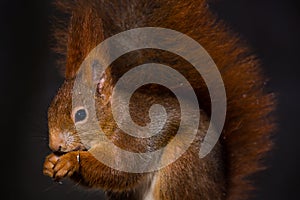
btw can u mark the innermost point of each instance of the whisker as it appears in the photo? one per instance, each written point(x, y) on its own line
point(39, 138)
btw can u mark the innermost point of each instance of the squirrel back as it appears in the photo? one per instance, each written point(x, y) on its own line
point(246, 134)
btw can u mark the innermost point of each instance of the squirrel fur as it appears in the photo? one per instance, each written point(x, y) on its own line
point(225, 173)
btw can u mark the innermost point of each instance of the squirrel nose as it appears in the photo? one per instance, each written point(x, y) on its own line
point(56, 143)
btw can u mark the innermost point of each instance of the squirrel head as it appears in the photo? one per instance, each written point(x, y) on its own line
point(63, 118)
point(61, 121)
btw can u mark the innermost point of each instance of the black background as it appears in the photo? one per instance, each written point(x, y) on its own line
point(29, 80)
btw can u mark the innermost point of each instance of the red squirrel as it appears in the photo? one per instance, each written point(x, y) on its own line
point(224, 174)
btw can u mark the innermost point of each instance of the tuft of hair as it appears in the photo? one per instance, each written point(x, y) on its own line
point(246, 137)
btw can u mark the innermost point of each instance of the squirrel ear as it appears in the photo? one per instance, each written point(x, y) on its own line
point(91, 72)
point(97, 71)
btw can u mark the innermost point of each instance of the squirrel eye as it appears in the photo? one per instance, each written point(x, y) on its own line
point(80, 115)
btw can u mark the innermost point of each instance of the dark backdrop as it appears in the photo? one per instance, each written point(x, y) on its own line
point(29, 80)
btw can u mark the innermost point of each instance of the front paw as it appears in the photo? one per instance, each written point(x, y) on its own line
point(59, 167)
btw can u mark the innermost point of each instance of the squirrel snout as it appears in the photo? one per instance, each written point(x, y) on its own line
point(56, 144)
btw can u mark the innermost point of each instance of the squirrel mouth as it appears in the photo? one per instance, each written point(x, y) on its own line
point(80, 148)
point(77, 148)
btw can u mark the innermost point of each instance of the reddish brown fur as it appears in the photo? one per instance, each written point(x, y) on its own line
point(246, 135)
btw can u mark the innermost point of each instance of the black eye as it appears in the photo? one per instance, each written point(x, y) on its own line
point(80, 115)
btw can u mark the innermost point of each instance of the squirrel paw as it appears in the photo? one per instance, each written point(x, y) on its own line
point(59, 167)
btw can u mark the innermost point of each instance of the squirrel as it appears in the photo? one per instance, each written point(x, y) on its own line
point(225, 173)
